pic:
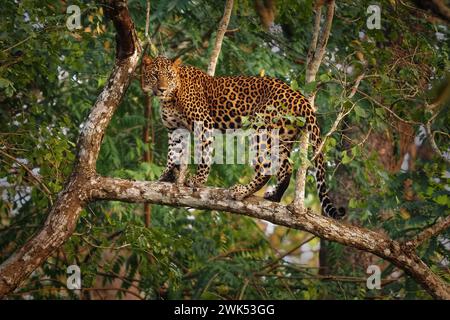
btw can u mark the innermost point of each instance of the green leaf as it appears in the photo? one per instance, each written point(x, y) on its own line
point(294, 85)
point(356, 151)
point(4, 83)
point(310, 87)
point(442, 200)
point(345, 158)
point(300, 121)
point(353, 203)
point(360, 112)
point(324, 77)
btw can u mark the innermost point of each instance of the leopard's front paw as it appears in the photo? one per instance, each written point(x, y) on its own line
point(238, 192)
point(168, 176)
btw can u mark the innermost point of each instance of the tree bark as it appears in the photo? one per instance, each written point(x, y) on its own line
point(316, 52)
point(84, 186)
point(219, 37)
point(64, 214)
point(148, 132)
point(266, 11)
point(319, 40)
point(104, 188)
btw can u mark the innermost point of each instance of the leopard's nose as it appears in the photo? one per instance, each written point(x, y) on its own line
point(161, 89)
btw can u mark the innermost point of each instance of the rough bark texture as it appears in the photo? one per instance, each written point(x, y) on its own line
point(319, 39)
point(219, 37)
point(266, 11)
point(314, 58)
point(64, 214)
point(84, 186)
point(219, 199)
point(300, 177)
point(148, 154)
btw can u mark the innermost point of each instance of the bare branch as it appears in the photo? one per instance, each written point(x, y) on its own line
point(103, 188)
point(219, 37)
point(272, 265)
point(342, 114)
point(433, 144)
point(441, 225)
point(30, 172)
point(84, 186)
point(356, 85)
point(319, 41)
point(324, 35)
point(300, 178)
point(315, 36)
point(314, 59)
point(147, 19)
point(64, 215)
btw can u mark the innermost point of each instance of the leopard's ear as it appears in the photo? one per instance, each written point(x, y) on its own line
point(146, 60)
point(177, 62)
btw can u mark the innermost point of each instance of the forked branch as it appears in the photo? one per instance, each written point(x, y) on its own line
point(84, 186)
point(219, 37)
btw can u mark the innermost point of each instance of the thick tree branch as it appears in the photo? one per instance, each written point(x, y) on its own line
point(315, 35)
point(103, 188)
point(64, 214)
point(84, 186)
point(300, 177)
point(219, 37)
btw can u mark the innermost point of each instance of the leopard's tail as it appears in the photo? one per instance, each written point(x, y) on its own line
point(327, 206)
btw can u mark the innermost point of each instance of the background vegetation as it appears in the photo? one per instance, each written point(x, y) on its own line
point(380, 163)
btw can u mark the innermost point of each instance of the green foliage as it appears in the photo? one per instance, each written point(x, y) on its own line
point(50, 77)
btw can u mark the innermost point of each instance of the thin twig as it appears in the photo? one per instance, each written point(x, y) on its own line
point(387, 109)
point(289, 252)
point(433, 144)
point(336, 123)
point(105, 247)
point(28, 170)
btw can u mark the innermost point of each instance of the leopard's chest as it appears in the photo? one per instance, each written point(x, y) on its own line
point(171, 117)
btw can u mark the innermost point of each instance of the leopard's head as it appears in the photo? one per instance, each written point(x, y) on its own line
point(159, 76)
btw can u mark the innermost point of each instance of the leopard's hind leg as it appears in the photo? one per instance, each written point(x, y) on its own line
point(284, 174)
point(261, 162)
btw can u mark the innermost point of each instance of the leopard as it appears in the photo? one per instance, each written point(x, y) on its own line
point(189, 96)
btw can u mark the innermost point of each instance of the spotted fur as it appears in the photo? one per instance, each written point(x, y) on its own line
point(189, 95)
